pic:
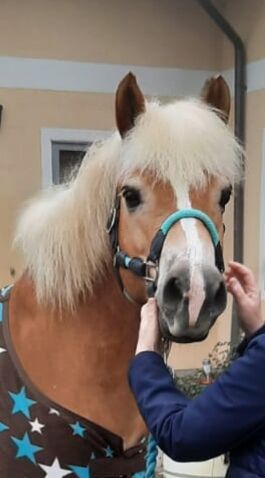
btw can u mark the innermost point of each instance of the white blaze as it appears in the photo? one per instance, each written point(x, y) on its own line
point(194, 253)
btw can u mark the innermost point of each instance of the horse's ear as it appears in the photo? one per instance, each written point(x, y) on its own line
point(129, 103)
point(216, 93)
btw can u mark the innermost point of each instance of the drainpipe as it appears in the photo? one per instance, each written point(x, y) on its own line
point(240, 100)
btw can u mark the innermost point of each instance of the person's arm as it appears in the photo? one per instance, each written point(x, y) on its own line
point(228, 412)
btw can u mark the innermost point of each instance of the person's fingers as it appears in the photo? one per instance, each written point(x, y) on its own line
point(227, 274)
point(244, 275)
point(240, 268)
point(151, 302)
point(235, 288)
point(150, 308)
point(151, 305)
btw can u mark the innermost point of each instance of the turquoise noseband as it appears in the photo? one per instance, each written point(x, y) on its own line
point(149, 269)
point(191, 213)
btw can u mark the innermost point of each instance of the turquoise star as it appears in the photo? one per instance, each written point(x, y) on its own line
point(1, 312)
point(81, 471)
point(109, 452)
point(3, 427)
point(26, 448)
point(139, 474)
point(78, 429)
point(21, 402)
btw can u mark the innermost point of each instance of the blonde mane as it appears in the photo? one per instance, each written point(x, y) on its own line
point(62, 233)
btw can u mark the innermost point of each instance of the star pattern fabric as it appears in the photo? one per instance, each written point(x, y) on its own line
point(22, 403)
point(36, 426)
point(78, 429)
point(40, 439)
point(3, 427)
point(25, 448)
point(53, 411)
point(80, 471)
point(109, 452)
point(55, 470)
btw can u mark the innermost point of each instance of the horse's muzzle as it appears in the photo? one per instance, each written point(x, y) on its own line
point(184, 318)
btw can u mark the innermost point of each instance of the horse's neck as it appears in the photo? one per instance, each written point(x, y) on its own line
point(80, 361)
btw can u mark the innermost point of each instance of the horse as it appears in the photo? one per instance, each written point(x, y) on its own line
point(143, 217)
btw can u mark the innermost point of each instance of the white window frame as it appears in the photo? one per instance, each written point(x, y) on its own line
point(262, 222)
point(50, 135)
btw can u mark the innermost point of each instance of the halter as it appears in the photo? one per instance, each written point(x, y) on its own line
point(148, 269)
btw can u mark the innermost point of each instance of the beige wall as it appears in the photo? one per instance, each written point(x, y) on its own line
point(247, 18)
point(172, 33)
point(140, 32)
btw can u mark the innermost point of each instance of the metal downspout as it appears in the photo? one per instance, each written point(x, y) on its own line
point(239, 128)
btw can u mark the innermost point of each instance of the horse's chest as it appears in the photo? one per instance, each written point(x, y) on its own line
point(40, 439)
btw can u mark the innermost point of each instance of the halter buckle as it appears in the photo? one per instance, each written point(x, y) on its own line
point(151, 271)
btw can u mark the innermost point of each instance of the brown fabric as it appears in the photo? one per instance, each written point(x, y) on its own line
point(118, 466)
point(40, 439)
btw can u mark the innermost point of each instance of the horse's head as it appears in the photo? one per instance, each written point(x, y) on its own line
point(178, 164)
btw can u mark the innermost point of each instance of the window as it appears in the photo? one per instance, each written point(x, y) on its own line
point(66, 159)
point(62, 151)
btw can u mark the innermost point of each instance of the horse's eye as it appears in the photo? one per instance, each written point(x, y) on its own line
point(132, 197)
point(225, 196)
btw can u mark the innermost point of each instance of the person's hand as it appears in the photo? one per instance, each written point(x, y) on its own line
point(149, 338)
point(241, 283)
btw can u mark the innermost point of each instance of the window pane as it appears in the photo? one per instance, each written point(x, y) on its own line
point(69, 163)
point(66, 159)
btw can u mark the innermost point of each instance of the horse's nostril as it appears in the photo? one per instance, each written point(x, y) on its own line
point(215, 300)
point(174, 291)
point(220, 294)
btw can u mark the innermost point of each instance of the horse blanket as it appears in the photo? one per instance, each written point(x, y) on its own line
point(40, 439)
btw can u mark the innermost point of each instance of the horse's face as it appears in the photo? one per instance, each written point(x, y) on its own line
point(190, 289)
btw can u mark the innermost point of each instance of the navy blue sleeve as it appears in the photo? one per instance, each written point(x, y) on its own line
point(227, 413)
